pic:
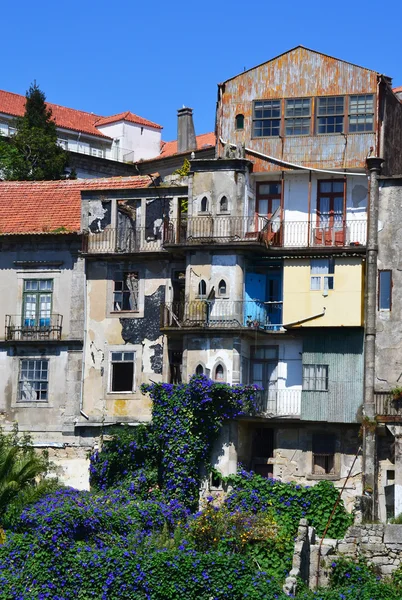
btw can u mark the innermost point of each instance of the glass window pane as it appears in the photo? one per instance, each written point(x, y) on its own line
point(116, 356)
point(315, 283)
point(319, 266)
point(270, 353)
point(385, 288)
point(128, 356)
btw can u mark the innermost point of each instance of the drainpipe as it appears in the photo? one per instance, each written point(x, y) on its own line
point(369, 434)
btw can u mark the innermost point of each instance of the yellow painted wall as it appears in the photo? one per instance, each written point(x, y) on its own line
point(343, 304)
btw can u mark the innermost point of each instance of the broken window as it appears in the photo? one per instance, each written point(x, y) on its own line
point(322, 274)
point(315, 378)
point(122, 371)
point(125, 292)
point(239, 121)
point(267, 118)
point(384, 290)
point(297, 116)
point(33, 380)
point(361, 113)
point(99, 215)
point(330, 114)
point(323, 446)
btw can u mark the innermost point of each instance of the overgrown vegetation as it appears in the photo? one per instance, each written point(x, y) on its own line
point(33, 153)
point(138, 533)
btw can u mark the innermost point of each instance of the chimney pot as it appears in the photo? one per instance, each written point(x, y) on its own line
point(186, 141)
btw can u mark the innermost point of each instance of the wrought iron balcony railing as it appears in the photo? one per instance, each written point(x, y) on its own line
point(21, 328)
point(279, 403)
point(222, 314)
point(259, 230)
point(123, 241)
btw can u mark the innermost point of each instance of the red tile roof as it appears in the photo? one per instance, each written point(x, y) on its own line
point(127, 116)
point(397, 89)
point(45, 206)
point(204, 140)
point(67, 118)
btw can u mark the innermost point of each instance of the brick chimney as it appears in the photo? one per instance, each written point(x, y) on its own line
point(186, 141)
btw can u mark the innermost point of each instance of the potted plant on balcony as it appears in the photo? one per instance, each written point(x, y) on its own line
point(396, 393)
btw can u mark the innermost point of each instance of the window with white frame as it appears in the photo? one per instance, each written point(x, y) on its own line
point(33, 383)
point(122, 371)
point(322, 272)
point(297, 116)
point(315, 378)
point(99, 152)
point(125, 292)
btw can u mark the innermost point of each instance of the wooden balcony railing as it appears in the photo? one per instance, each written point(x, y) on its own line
point(123, 241)
point(260, 231)
point(21, 328)
point(386, 408)
point(222, 314)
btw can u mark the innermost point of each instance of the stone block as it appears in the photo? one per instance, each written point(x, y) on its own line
point(374, 548)
point(393, 534)
point(347, 548)
point(388, 569)
point(381, 560)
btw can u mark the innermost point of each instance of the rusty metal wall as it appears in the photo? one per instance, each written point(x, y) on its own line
point(298, 73)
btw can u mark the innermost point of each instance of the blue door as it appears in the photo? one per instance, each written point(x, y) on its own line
point(274, 295)
point(254, 296)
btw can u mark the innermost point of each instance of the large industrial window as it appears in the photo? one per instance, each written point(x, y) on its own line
point(297, 116)
point(267, 118)
point(315, 378)
point(323, 447)
point(322, 274)
point(33, 380)
point(384, 290)
point(125, 292)
point(37, 302)
point(330, 114)
point(361, 113)
point(122, 371)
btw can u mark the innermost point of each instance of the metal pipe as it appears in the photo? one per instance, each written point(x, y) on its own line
point(369, 435)
point(309, 209)
point(293, 165)
point(305, 319)
point(331, 516)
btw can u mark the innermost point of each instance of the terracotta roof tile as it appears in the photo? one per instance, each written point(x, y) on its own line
point(45, 206)
point(127, 116)
point(397, 89)
point(204, 140)
point(67, 118)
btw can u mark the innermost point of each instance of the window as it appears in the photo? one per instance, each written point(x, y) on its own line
point(322, 274)
point(125, 292)
point(267, 118)
point(268, 198)
point(37, 302)
point(122, 371)
point(202, 289)
point(199, 370)
point(297, 116)
point(323, 446)
point(223, 204)
point(330, 114)
point(315, 378)
point(239, 121)
point(63, 143)
point(219, 373)
point(11, 130)
point(204, 204)
point(264, 372)
point(384, 290)
point(97, 152)
point(222, 288)
point(361, 113)
point(33, 380)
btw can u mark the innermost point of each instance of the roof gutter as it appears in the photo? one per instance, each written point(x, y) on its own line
point(293, 165)
point(305, 319)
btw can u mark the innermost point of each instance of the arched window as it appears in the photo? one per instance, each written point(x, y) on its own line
point(223, 204)
point(222, 288)
point(202, 289)
point(204, 204)
point(239, 121)
point(219, 373)
point(199, 370)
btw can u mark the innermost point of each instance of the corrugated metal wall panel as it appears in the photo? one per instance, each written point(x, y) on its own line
point(342, 351)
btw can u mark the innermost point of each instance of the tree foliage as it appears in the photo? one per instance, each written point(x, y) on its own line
point(33, 153)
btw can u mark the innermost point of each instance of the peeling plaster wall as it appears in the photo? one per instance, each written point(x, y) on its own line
point(215, 184)
point(388, 369)
point(137, 332)
point(212, 267)
point(209, 352)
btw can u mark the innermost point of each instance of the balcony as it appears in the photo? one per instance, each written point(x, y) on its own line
point(19, 328)
point(222, 314)
point(279, 403)
point(260, 231)
point(122, 241)
point(386, 408)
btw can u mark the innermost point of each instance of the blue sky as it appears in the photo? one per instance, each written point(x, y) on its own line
point(153, 57)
